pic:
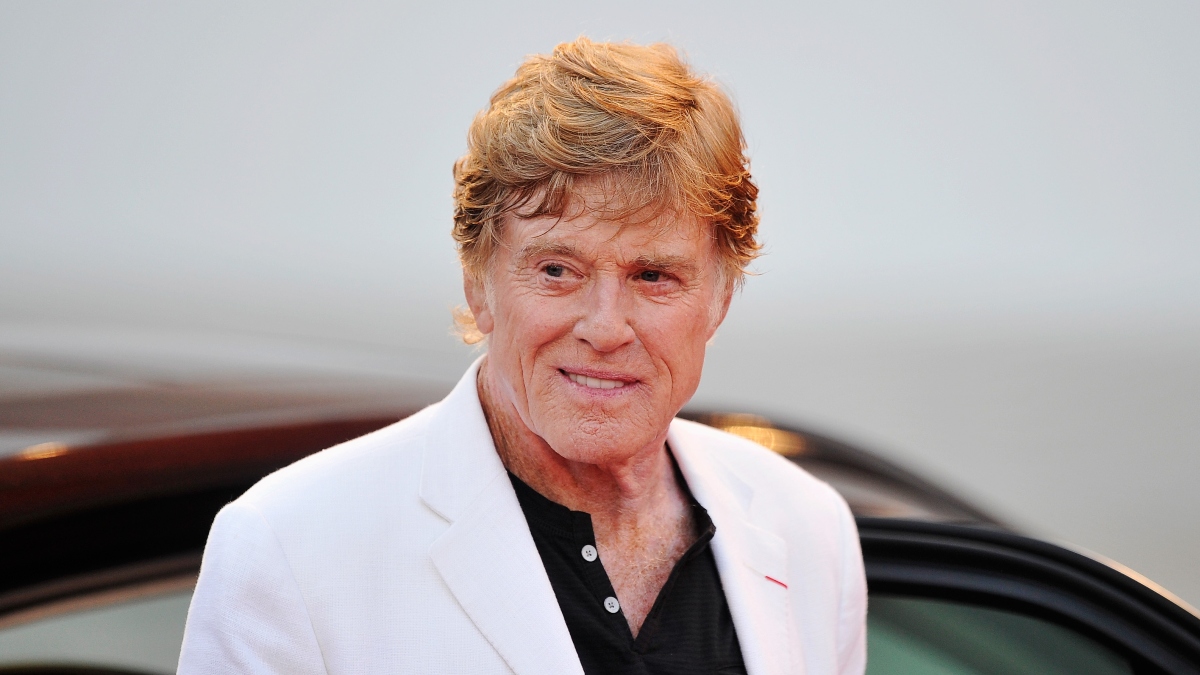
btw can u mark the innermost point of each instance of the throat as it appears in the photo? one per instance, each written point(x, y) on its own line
point(639, 559)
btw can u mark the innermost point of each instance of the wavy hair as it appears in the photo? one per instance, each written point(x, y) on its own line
point(632, 118)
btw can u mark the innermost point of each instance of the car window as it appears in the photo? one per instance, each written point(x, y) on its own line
point(139, 635)
point(919, 636)
point(906, 636)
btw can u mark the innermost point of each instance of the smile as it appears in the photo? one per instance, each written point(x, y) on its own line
point(595, 382)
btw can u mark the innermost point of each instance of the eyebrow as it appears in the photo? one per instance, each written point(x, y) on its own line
point(538, 249)
point(673, 264)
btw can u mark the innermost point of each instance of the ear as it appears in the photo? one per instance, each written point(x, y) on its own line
point(719, 315)
point(477, 301)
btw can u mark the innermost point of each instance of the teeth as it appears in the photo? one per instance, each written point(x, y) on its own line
point(595, 382)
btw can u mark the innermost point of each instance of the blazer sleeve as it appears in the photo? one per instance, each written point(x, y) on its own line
point(248, 614)
point(852, 628)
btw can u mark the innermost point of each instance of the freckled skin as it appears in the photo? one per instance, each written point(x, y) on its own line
point(635, 303)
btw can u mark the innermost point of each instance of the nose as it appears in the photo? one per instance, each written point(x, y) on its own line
point(605, 321)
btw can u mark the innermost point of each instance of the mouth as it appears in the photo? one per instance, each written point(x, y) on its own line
point(593, 382)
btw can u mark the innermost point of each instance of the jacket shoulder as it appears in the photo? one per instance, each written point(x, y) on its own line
point(340, 472)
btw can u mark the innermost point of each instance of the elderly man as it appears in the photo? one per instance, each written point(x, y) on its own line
point(551, 516)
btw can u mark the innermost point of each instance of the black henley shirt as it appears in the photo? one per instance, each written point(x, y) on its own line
point(689, 630)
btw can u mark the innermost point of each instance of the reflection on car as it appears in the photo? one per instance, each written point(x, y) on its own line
point(101, 539)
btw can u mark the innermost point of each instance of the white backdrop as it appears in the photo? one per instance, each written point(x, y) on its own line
point(982, 220)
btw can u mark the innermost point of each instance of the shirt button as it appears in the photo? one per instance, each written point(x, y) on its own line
point(589, 553)
point(611, 604)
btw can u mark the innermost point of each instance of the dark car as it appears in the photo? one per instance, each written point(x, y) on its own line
point(101, 536)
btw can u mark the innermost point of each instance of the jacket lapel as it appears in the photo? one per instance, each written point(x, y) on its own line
point(752, 561)
point(487, 556)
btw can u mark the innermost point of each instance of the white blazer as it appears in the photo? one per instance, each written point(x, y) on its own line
point(406, 551)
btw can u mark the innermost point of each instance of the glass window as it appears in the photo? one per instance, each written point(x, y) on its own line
point(139, 632)
point(907, 636)
point(933, 637)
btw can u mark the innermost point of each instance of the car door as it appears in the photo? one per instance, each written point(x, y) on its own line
point(959, 600)
point(100, 546)
point(944, 600)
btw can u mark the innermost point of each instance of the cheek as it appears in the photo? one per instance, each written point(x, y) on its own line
point(677, 339)
point(526, 324)
point(535, 320)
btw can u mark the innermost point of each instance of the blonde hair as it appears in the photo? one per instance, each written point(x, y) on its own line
point(630, 117)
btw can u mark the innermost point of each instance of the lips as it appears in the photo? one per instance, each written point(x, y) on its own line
point(595, 382)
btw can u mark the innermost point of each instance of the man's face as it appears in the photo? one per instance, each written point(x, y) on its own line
point(597, 331)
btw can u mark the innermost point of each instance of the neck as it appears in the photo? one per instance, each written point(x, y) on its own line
point(640, 514)
point(640, 482)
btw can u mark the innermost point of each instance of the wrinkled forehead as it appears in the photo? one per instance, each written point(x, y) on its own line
point(616, 196)
point(626, 207)
point(598, 234)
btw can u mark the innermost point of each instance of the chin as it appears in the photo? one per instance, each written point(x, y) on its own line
point(599, 442)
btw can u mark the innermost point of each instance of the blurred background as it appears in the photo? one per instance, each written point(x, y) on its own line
point(982, 222)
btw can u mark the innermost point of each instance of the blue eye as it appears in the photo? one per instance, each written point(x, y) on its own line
point(554, 270)
point(650, 275)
